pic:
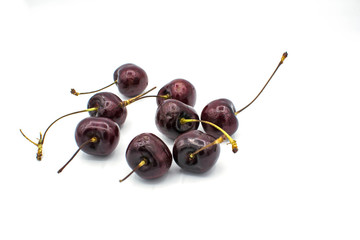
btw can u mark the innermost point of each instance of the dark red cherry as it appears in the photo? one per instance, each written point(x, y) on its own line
point(108, 105)
point(131, 79)
point(105, 131)
point(168, 115)
point(188, 143)
point(222, 113)
point(179, 89)
point(153, 151)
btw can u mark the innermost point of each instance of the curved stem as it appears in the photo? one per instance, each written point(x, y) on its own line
point(134, 99)
point(27, 138)
point(69, 114)
point(232, 141)
point(93, 139)
point(142, 163)
point(74, 92)
point(285, 54)
point(42, 137)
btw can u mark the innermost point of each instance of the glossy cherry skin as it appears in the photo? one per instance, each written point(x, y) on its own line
point(222, 113)
point(108, 105)
point(168, 115)
point(154, 151)
point(190, 142)
point(106, 131)
point(131, 79)
point(179, 89)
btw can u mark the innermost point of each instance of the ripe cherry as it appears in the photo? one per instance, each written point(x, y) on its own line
point(196, 151)
point(148, 156)
point(187, 144)
point(130, 79)
point(108, 105)
point(168, 115)
point(222, 111)
point(97, 136)
point(179, 89)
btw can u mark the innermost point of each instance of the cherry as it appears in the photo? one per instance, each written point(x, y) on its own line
point(222, 111)
point(179, 89)
point(196, 151)
point(97, 136)
point(148, 156)
point(130, 79)
point(108, 105)
point(168, 115)
point(186, 144)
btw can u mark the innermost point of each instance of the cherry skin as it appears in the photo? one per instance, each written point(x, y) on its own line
point(108, 105)
point(131, 80)
point(106, 132)
point(168, 115)
point(188, 143)
point(222, 113)
point(153, 151)
point(179, 89)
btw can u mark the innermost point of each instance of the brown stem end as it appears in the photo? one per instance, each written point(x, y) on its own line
point(74, 92)
point(285, 54)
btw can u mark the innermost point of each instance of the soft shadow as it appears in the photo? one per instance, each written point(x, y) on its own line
point(214, 170)
point(94, 158)
point(35, 3)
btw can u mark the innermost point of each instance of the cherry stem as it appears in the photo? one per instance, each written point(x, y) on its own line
point(232, 141)
point(74, 92)
point(142, 163)
point(28, 138)
point(217, 141)
point(167, 96)
point(134, 99)
point(91, 140)
point(285, 54)
point(42, 137)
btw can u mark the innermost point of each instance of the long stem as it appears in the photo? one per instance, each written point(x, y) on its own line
point(74, 92)
point(134, 99)
point(91, 140)
point(69, 114)
point(285, 54)
point(232, 141)
point(142, 163)
point(167, 96)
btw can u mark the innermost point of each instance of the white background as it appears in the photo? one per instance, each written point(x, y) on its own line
point(297, 172)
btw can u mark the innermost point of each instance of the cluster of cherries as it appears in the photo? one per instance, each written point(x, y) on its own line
point(146, 154)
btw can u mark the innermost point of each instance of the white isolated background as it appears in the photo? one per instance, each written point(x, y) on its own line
point(297, 172)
